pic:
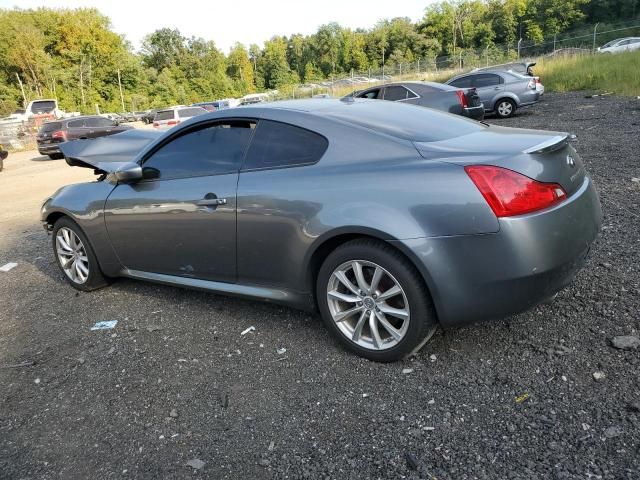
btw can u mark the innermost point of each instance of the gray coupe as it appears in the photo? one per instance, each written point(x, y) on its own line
point(390, 219)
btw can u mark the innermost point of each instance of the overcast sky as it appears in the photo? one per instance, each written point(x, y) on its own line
point(246, 21)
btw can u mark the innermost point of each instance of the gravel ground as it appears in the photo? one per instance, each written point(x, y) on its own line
point(175, 390)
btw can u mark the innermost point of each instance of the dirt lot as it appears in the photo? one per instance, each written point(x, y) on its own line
point(175, 381)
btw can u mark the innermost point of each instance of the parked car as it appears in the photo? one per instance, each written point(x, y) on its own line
point(150, 115)
point(389, 218)
point(463, 102)
point(3, 155)
point(52, 134)
point(217, 104)
point(627, 44)
point(523, 68)
point(500, 92)
point(127, 116)
point(165, 119)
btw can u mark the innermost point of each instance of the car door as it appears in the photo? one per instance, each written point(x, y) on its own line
point(99, 127)
point(181, 218)
point(76, 129)
point(489, 87)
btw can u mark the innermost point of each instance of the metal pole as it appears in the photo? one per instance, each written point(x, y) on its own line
point(418, 66)
point(24, 97)
point(554, 41)
point(382, 64)
point(595, 29)
point(519, 42)
point(121, 96)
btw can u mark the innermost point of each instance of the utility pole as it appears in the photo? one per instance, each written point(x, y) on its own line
point(81, 81)
point(594, 36)
point(121, 96)
point(519, 42)
point(24, 97)
point(383, 65)
point(554, 41)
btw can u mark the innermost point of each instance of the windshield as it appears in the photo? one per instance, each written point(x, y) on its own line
point(610, 44)
point(51, 126)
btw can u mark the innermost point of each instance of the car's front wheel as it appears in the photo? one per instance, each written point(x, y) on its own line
point(75, 256)
point(505, 108)
point(374, 302)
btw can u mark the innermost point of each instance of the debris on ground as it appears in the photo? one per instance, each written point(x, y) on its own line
point(8, 266)
point(599, 376)
point(105, 325)
point(154, 328)
point(271, 445)
point(196, 463)
point(625, 342)
point(412, 462)
point(522, 398)
point(281, 351)
point(173, 413)
point(635, 179)
point(433, 357)
point(407, 370)
point(247, 330)
point(612, 432)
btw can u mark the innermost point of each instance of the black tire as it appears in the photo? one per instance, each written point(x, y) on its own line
point(95, 279)
point(56, 156)
point(505, 108)
point(422, 319)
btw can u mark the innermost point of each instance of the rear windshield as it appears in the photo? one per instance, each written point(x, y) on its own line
point(51, 126)
point(44, 106)
point(165, 115)
point(190, 112)
point(409, 122)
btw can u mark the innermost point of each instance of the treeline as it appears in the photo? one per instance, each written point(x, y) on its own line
point(74, 55)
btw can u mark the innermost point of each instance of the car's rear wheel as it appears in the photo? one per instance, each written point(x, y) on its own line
point(374, 302)
point(75, 256)
point(505, 108)
point(56, 156)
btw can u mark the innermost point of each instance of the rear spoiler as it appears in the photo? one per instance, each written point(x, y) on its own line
point(551, 145)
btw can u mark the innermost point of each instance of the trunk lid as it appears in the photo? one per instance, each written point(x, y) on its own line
point(107, 154)
point(541, 155)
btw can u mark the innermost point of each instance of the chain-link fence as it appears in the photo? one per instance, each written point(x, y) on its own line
point(438, 67)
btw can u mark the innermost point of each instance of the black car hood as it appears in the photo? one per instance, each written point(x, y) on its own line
point(106, 154)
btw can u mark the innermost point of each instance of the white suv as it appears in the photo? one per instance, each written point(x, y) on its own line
point(621, 45)
point(166, 119)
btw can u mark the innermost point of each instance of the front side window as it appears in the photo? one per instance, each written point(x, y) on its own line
point(371, 94)
point(210, 150)
point(462, 82)
point(278, 144)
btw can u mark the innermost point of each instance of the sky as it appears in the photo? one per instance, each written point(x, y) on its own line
point(227, 22)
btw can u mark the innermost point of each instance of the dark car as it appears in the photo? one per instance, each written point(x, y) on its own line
point(52, 134)
point(151, 114)
point(390, 219)
point(465, 102)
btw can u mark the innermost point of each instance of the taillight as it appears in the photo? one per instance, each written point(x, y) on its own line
point(173, 122)
point(509, 193)
point(538, 80)
point(59, 134)
point(462, 98)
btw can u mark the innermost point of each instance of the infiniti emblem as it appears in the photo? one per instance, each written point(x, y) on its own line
point(570, 161)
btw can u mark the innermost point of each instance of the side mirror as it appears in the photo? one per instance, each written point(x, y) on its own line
point(128, 173)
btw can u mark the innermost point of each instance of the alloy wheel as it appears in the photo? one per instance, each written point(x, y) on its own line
point(368, 305)
point(505, 109)
point(72, 255)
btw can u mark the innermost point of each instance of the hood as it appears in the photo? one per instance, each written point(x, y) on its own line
point(107, 154)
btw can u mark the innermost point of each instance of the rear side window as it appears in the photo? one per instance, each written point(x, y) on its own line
point(278, 144)
point(212, 150)
point(396, 92)
point(164, 115)
point(190, 112)
point(76, 123)
point(99, 122)
point(463, 82)
point(487, 80)
point(51, 126)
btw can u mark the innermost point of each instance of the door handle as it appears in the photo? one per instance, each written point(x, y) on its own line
point(211, 202)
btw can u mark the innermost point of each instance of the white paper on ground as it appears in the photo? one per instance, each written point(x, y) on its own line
point(8, 266)
point(106, 325)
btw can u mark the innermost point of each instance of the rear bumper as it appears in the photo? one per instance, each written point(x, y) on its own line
point(476, 113)
point(48, 148)
point(481, 277)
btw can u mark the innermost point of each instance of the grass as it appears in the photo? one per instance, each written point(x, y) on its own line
point(616, 73)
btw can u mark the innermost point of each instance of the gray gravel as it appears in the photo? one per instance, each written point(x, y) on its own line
point(174, 390)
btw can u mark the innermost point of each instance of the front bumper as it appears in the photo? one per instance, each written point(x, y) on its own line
point(480, 277)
